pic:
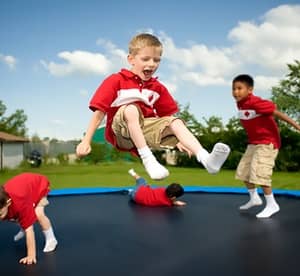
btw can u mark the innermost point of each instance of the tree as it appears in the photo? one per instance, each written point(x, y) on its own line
point(13, 124)
point(287, 98)
point(287, 94)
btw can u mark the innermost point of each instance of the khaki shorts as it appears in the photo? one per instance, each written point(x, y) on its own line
point(156, 131)
point(43, 202)
point(256, 165)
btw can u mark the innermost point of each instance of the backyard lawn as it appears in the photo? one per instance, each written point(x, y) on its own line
point(115, 175)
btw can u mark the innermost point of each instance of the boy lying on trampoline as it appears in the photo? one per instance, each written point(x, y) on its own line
point(23, 199)
point(146, 195)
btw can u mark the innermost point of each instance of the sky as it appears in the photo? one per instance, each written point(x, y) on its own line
point(54, 54)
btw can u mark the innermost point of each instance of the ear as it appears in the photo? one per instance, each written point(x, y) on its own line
point(130, 59)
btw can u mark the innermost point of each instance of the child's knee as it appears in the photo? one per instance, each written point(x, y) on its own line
point(131, 111)
point(40, 212)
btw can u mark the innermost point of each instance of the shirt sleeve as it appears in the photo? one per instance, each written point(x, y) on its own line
point(27, 216)
point(105, 94)
point(165, 105)
point(264, 106)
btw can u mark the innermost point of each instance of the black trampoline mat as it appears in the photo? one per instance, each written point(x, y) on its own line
point(105, 234)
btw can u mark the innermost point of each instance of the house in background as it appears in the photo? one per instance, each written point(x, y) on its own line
point(11, 150)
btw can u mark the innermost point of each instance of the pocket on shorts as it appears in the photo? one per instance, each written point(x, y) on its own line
point(266, 156)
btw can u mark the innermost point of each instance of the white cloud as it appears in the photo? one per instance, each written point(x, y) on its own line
point(265, 46)
point(171, 85)
point(202, 79)
point(10, 61)
point(271, 44)
point(79, 62)
point(210, 61)
point(117, 56)
point(264, 83)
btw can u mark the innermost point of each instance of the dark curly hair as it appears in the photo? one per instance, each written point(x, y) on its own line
point(3, 197)
point(174, 189)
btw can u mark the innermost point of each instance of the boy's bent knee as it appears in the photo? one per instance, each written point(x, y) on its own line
point(130, 111)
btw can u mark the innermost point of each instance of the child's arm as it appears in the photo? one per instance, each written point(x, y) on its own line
point(179, 203)
point(284, 117)
point(84, 147)
point(30, 243)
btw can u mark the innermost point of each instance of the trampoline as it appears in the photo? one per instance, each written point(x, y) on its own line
point(103, 233)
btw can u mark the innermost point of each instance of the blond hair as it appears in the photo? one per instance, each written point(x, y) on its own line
point(143, 40)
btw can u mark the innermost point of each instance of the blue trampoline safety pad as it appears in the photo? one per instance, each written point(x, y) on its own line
point(187, 189)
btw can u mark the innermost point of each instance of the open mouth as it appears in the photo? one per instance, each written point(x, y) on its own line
point(147, 73)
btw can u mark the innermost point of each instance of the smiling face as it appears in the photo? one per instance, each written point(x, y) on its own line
point(241, 90)
point(145, 62)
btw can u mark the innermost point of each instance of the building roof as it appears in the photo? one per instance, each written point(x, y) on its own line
point(6, 137)
point(99, 136)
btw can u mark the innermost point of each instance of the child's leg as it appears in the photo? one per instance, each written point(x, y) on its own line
point(213, 161)
point(255, 200)
point(152, 166)
point(50, 240)
point(271, 205)
point(139, 181)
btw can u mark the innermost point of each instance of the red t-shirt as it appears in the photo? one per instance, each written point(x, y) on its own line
point(125, 87)
point(148, 196)
point(256, 116)
point(25, 191)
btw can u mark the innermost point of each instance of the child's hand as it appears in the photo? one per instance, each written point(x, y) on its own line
point(28, 260)
point(182, 148)
point(179, 203)
point(83, 149)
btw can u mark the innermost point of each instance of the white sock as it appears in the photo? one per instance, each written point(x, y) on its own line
point(255, 200)
point(202, 156)
point(152, 166)
point(51, 241)
point(132, 172)
point(19, 235)
point(213, 161)
point(271, 207)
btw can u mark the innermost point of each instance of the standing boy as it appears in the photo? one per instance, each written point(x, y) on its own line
point(256, 166)
point(140, 113)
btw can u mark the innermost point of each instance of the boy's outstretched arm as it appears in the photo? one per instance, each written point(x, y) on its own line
point(286, 118)
point(179, 203)
point(31, 250)
point(84, 147)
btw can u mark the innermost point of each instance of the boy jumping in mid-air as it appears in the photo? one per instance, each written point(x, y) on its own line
point(140, 113)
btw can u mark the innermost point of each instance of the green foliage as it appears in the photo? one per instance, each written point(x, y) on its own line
point(105, 152)
point(63, 158)
point(289, 155)
point(13, 124)
point(99, 153)
point(233, 134)
point(287, 94)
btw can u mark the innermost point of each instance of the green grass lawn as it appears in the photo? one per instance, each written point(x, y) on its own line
point(115, 175)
